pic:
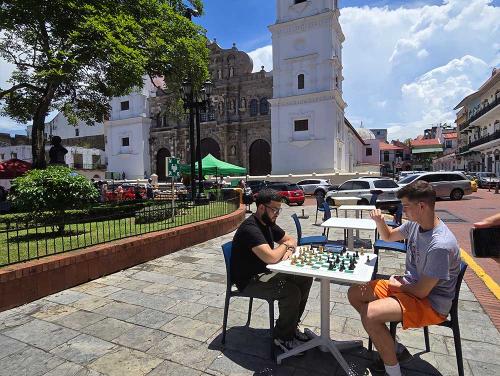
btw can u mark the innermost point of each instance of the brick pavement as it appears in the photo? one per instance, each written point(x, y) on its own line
point(164, 317)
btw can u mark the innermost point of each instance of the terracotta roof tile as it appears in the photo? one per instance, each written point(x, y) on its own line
point(425, 142)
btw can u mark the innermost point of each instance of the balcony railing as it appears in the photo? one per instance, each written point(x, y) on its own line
point(491, 137)
point(480, 113)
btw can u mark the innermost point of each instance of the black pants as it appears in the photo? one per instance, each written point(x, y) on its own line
point(291, 291)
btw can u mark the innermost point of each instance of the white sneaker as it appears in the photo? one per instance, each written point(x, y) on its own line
point(288, 345)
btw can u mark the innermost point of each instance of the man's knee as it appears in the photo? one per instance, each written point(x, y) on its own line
point(354, 295)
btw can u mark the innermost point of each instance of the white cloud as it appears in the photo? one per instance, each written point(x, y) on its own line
point(420, 62)
point(262, 57)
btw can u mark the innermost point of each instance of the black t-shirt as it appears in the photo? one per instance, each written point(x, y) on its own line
point(244, 262)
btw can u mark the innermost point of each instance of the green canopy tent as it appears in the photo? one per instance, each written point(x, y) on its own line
point(213, 166)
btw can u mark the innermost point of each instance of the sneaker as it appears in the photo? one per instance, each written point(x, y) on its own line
point(288, 345)
point(403, 356)
point(301, 336)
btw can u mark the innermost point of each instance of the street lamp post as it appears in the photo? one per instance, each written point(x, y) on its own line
point(202, 104)
point(187, 97)
point(194, 102)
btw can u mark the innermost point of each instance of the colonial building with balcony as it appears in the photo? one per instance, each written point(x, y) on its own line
point(478, 121)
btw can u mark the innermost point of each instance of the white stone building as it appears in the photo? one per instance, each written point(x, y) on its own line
point(127, 133)
point(307, 109)
point(478, 121)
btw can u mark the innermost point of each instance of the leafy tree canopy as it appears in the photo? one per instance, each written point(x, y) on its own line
point(73, 56)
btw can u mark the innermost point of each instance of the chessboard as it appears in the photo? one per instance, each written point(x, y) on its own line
point(332, 261)
point(334, 258)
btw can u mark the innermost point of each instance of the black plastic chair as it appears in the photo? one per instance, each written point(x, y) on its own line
point(319, 206)
point(230, 293)
point(316, 240)
point(451, 322)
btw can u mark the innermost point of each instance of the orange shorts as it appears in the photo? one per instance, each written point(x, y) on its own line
point(417, 313)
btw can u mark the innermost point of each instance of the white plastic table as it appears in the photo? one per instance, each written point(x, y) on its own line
point(350, 224)
point(346, 200)
point(362, 273)
point(357, 209)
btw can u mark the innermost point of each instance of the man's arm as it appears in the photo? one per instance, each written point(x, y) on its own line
point(272, 256)
point(386, 233)
point(289, 240)
point(421, 289)
point(492, 221)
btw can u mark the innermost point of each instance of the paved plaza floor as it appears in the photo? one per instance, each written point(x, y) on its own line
point(164, 317)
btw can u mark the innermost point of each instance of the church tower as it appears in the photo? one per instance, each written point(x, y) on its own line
point(307, 110)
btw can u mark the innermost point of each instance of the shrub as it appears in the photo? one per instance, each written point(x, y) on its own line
point(53, 190)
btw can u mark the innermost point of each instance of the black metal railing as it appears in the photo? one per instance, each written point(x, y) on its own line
point(87, 166)
point(480, 113)
point(24, 237)
point(491, 137)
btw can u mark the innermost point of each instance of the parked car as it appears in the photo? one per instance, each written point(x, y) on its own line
point(317, 187)
point(256, 185)
point(446, 184)
point(408, 179)
point(364, 189)
point(487, 179)
point(291, 193)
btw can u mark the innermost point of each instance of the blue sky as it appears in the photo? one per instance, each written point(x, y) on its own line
point(406, 63)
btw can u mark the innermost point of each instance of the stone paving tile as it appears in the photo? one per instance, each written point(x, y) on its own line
point(108, 329)
point(91, 303)
point(119, 310)
point(215, 316)
point(66, 297)
point(29, 361)
point(311, 318)
point(185, 294)
point(187, 309)
point(79, 319)
point(136, 285)
point(168, 368)
point(151, 318)
point(104, 290)
point(83, 349)
point(53, 311)
point(154, 277)
point(478, 351)
point(185, 351)
point(160, 303)
point(434, 364)
point(191, 328)
point(114, 279)
point(157, 289)
point(9, 346)
point(140, 338)
point(72, 369)
point(131, 363)
point(12, 319)
point(41, 334)
point(482, 369)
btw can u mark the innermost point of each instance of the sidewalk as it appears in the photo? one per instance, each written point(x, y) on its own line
point(164, 317)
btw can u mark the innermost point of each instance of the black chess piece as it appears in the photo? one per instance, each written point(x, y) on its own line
point(342, 267)
point(343, 249)
point(357, 254)
point(351, 266)
point(330, 266)
point(367, 258)
point(337, 260)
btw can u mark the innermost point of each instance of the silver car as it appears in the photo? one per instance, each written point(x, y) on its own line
point(446, 184)
point(487, 179)
point(317, 187)
point(363, 188)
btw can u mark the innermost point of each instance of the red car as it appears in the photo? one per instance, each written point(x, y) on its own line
point(291, 193)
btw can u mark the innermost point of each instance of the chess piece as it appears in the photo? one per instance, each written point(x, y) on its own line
point(351, 265)
point(342, 267)
point(330, 266)
point(357, 254)
point(367, 258)
point(337, 260)
point(362, 251)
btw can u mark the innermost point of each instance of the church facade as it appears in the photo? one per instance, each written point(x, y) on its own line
point(237, 129)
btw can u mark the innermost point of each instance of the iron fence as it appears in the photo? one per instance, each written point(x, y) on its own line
point(35, 236)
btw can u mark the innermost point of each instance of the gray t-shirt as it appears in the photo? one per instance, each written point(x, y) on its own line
point(434, 253)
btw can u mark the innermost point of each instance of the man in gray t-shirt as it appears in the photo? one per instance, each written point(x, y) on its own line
point(424, 294)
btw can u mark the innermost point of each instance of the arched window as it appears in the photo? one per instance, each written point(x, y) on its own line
point(264, 106)
point(254, 104)
point(300, 81)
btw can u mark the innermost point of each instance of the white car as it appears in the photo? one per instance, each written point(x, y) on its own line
point(365, 188)
point(317, 187)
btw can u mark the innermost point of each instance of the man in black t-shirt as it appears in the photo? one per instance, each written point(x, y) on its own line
point(253, 249)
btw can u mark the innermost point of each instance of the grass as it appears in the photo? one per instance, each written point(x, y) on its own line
point(28, 244)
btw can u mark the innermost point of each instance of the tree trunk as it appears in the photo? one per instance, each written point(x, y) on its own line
point(38, 142)
point(37, 133)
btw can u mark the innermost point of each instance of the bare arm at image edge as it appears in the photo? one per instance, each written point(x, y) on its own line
point(493, 221)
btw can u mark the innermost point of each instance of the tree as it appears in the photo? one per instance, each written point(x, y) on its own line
point(73, 56)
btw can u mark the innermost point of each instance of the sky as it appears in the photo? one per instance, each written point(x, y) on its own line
point(406, 63)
